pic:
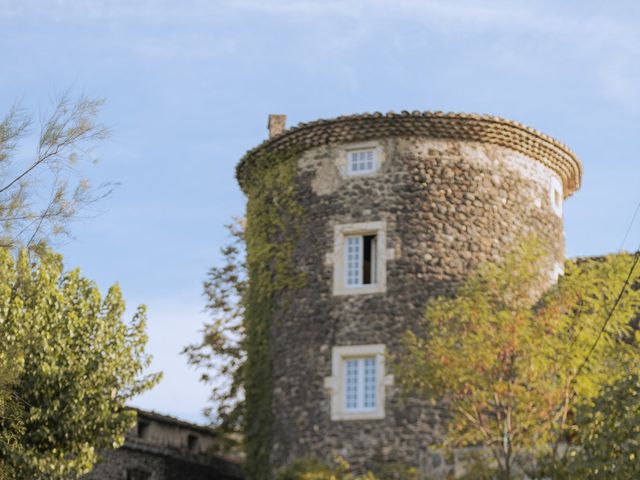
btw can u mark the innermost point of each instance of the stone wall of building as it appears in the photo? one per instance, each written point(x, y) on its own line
point(448, 205)
point(142, 462)
point(165, 448)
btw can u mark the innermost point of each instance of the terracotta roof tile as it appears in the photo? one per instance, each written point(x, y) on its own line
point(453, 126)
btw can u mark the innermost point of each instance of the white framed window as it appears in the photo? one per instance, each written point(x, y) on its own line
point(557, 272)
point(359, 258)
point(362, 161)
point(358, 381)
point(360, 384)
point(556, 196)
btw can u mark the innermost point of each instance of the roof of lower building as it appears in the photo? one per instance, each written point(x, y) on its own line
point(168, 419)
point(449, 126)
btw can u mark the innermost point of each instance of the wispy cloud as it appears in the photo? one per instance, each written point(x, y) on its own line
point(523, 36)
point(586, 29)
point(300, 8)
point(190, 46)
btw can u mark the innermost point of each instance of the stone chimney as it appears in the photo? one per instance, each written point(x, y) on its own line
point(277, 124)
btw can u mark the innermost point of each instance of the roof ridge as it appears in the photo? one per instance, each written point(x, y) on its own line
point(561, 158)
point(419, 113)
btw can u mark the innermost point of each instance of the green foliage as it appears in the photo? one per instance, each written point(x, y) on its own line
point(608, 446)
point(221, 354)
point(9, 409)
point(314, 469)
point(80, 364)
point(242, 296)
point(40, 193)
point(510, 366)
point(476, 467)
point(385, 470)
point(274, 218)
point(307, 469)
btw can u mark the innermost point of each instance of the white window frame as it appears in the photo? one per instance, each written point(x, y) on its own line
point(357, 162)
point(556, 196)
point(358, 369)
point(339, 258)
point(353, 262)
point(336, 383)
point(354, 257)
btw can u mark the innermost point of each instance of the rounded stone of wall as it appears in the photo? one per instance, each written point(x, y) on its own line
point(448, 204)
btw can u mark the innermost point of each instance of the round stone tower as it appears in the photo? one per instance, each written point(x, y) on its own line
point(396, 209)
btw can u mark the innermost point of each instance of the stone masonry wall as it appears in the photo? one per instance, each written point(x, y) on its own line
point(159, 448)
point(449, 205)
point(138, 462)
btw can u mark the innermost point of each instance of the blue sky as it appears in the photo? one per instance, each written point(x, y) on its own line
point(189, 85)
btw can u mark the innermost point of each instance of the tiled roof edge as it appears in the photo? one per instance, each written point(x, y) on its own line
point(168, 419)
point(454, 126)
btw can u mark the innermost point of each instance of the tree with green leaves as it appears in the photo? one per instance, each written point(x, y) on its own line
point(41, 192)
point(10, 410)
point(608, 431)
point(67, 360)
point(221, 353)
point(339, 469)
point(514, 367)
point(80, 362)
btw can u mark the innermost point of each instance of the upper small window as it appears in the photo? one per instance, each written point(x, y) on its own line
point(362, 161)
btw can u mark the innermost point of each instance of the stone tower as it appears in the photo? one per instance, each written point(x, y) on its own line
point(397, 208)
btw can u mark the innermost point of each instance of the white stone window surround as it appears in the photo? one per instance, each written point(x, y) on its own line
point(343, 159)
point(338, 258)
point(336, 383)
point(557, 272)
point(556, 195)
